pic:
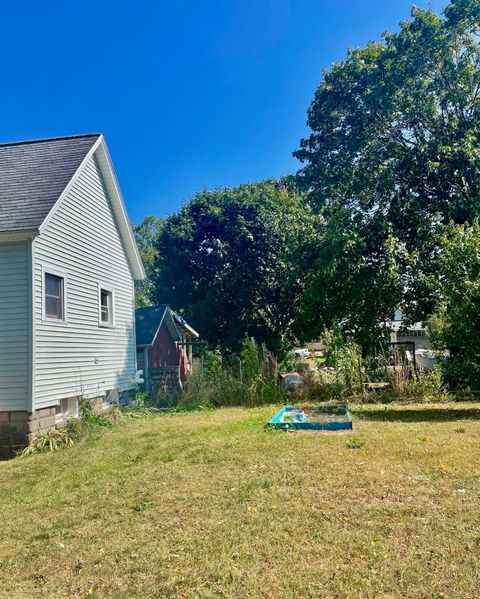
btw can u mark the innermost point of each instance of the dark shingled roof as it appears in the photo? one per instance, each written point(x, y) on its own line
point(33, 175)
point(147, 321)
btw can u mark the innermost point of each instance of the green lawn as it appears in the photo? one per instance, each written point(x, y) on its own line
point(213, 505)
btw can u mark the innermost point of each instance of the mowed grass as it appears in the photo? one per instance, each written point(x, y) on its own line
point(213, 505)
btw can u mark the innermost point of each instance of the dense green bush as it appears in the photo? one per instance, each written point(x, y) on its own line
point(345, 357)
point(456, 325)
point(427, 385)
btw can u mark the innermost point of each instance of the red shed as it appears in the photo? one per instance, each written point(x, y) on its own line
point(164, 347)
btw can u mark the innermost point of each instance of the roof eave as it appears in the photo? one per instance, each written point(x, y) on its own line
point(183, 323)
point(8, 236)
point(120, 210)
point(191, 331)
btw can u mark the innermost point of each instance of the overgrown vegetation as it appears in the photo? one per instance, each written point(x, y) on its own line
point(247, 379)
point(388, 377)
point(252, 378)
point(51, 440)
point(344, 356)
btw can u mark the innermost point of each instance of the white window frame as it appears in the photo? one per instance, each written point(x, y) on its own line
point(66, 409)
point(51, 270)
point(108, 289)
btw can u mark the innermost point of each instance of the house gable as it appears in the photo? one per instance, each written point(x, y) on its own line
point(36, 176)
point(82, 239)
point(112, 188)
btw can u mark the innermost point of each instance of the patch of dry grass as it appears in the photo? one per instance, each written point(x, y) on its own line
point(214, 505)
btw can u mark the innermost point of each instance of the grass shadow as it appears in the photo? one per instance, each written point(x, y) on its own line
point(427, 414)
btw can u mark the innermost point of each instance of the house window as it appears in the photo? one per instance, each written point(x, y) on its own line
point(67, 408)
point(106, 307)
point(54, 296)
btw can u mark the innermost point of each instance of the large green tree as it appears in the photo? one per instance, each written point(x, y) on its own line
point(225, 261)
point(146, 235)
point(393, 154)
point(351, 280)
point(456, 323)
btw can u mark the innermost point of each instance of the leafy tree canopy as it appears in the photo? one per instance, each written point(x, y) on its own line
point(392, 156)
point(351, 280)
point(225, 261)
point(146, 235)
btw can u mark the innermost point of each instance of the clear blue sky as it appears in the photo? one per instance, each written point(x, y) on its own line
point(189, 94)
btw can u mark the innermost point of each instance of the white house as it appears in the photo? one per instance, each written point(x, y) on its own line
point(414, 333)
point(68, 262)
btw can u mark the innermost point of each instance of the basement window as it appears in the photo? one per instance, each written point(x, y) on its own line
point(66, 408)
point(105, 307)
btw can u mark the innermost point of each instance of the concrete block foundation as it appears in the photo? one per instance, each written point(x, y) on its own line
point(18, 428)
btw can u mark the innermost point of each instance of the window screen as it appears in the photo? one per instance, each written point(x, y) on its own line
point(54, 297)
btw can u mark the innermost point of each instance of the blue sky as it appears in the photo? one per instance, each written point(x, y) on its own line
point(189, 94)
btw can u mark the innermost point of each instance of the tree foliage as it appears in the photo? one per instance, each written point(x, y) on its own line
point(146, 235)
point(351, 281)
point(392, 156)
point(456, 322)
point(392, 159)
point(225, 261)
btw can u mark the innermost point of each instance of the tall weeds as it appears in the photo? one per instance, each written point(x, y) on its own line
point(251, 378)
point(248, 379)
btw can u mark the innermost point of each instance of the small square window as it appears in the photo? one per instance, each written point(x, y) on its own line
point(54, 296)
point(67, 408)
point(106, 307)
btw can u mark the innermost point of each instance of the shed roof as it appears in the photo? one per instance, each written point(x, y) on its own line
point(33, 175)
point(149, 319)
point(184, 326)
point(147, 323)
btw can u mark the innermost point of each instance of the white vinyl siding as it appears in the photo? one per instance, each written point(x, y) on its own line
point(14, 325)
point(79, 356)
